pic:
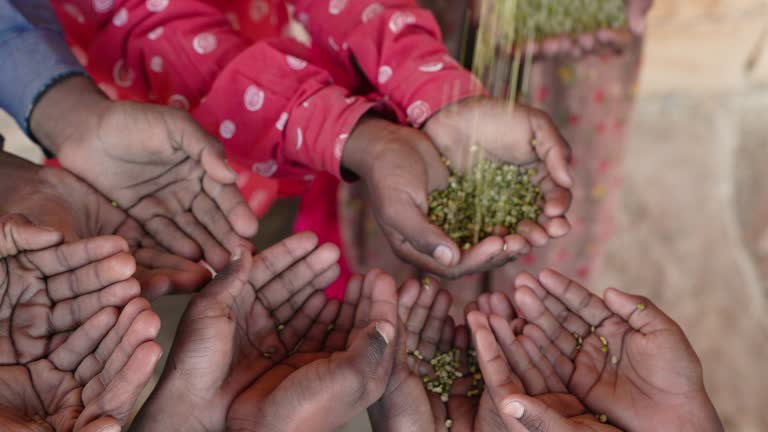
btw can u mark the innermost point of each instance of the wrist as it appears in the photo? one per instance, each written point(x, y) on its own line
point(361, 147)
point(66, 111)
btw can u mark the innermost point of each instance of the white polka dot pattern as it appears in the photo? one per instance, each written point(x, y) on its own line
point(74, 12)
point(156, 33)
point(432, 67)
point(258, 10)
point(253, 98)
point(157, 5)
point(179, 101)
point(295, 63)
point(121, 17)
point(122, 75)
point(102, 6)
point(400, 20)
point(371, 12)
point(385, 73)
point(205, 43)
point(266, 168)
point(418, 112)
point(335, 7)
point(227, 129)
point(282, 121)
point(156, 64)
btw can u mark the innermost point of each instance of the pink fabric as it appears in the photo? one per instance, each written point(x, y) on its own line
point(280, 108)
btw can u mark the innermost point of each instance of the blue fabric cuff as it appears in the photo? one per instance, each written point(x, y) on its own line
point(31, 61)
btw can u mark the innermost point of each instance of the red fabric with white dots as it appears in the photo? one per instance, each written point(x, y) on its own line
point(280, 108)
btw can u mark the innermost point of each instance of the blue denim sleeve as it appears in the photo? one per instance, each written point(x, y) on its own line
point(33, 56)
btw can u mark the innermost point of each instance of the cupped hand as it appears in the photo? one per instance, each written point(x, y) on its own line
point(620, 355)
point(231, 334)
point(155, 162)
point(523, 391)
point(426, 329)
point(55, 198)
point(401, 167)
point(71, 361)
point(486, 128)
point(340, 367)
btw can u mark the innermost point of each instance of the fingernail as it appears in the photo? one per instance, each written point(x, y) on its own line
point(386, 331)
point(515, 409)
point(111, 428)
point(443, 255)
point(237, 255)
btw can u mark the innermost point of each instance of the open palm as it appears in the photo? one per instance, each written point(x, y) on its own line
point(524, 390)
point(55, 198)
point(621, 355)
point(340, 366)
point(153, 161)
point(70, 360)
point(229, 333)
point(426, 330)
point(516, 134)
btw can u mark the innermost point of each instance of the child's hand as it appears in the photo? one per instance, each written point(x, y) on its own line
point(230, 335)
point(155, 162)
point(425, 329)
point(339, 364)
point(514, 134)
point(636, 367)
point(523, 390)
point(78, 345)
point(400, 167)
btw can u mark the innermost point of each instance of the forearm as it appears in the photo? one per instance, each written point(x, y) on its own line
point(18, 177)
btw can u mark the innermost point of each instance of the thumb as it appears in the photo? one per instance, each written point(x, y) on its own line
point(18, 234)
point(522, 413)
point(368, 361)
point(409, 222)
point(233, 279)
point(103, 424)
point(201, 146)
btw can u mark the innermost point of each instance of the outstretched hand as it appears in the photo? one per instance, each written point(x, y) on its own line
point(426, 329)
point(55, 198)
point(71, 361)
point(485, 128)
point(524, 393)
point(230, 333)
point(155, 162)
point(341, 366)
point(621, 355)
point(401, 167)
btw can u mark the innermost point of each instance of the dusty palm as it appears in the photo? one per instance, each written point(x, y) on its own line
point(165, 171)
point(55, 198)
point(229, 334)
point(339, 368)
point(524, 392)
point(622, 356)
point(68, 361)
